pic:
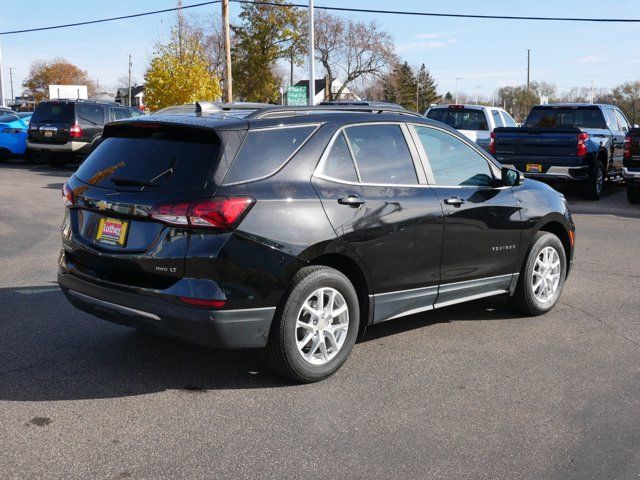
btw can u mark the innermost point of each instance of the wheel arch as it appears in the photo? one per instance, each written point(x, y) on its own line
point(560, 231)
point(358, 276)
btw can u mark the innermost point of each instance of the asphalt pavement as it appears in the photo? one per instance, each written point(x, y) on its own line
point(470, 392)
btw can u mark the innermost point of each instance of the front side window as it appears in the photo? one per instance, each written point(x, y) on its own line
point(339, 163)
point(120, 113)
point(610, 117)
point(452, 161)
point(381, 154)
point(265, 151)
point(508, 120)
point(622, 121)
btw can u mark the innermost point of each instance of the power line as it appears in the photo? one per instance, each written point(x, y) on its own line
point(336, 9)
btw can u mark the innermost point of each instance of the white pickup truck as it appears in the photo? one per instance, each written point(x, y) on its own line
point(474, 121)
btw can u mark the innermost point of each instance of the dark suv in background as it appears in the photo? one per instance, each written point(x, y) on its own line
point(295, 228)
point(63, 130)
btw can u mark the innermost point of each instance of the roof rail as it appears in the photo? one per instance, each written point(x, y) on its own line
point(277, 111)
point(243, 105)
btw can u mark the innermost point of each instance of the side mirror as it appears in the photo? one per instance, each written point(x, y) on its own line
point(511, 177)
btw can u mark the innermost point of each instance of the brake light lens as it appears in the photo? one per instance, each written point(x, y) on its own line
point(75, 131)
point(492, 144)
point(222, 213)
point(581, 150)
point(456, 107)
point(67, 196)
point(201, 302)
point(627, 147)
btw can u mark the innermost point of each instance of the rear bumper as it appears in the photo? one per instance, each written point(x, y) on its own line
point(69, 147)
point(631, 176)
point(556, 174)
point(246, 328)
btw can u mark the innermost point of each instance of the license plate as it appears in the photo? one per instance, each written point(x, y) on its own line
point(533, 168)
point(48, 133)
point(112, 232)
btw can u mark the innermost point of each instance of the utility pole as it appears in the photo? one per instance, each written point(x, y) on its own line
point(13, 99)
point(456, 95)
point(312, 80)
point(129, 80)
point(2, 99)
point(591, 96)
point(477, 93)
point(226, 34)
point(526, 99)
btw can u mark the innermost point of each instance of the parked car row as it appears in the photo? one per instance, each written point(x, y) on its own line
point(558, 143)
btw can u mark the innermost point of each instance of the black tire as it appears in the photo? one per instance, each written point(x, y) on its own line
point(524, 298)
point(633, 194)
point(282, 350)
point(594, 186)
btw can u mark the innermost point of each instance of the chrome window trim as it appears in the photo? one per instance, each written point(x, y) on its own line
point(283, 164)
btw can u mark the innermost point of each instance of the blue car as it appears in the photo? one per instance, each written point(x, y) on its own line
point(13, 133)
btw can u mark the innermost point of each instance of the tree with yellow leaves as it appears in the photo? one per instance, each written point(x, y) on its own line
point(180, 71)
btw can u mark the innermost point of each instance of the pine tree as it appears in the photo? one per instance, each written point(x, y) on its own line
point(400, 86)
point(427, 89)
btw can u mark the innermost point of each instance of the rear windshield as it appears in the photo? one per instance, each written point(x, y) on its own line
point(460, 118)
point(152, 159)
point(54, 112)
point(565, 117)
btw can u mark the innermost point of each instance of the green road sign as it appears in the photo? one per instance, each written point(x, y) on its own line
point(297, 95)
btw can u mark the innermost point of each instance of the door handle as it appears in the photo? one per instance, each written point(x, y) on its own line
point(352, 201)
point(456, 201)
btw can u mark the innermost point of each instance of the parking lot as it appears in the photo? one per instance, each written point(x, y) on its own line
point(473, 391)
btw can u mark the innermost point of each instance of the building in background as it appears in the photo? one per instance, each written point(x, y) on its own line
point(137, 96)
point(322, 90)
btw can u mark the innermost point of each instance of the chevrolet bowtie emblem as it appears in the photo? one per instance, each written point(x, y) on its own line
point(102, 205)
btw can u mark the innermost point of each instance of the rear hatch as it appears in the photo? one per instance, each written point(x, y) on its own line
point(127, 199)
point(52, 123)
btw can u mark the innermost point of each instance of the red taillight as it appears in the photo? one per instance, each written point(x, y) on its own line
point(201, 302)
point(223, 213)
point(75, 131)
point(581, 150)
point(492, 144)
point(627, 147)
point(456, 107)
point(67, 195)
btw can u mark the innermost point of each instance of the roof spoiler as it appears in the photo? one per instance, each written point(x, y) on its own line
point(207, 107)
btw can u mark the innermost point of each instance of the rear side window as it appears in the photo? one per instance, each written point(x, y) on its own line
point(120, 113)
point(339, 163)
point(460, 118)
point(54, 112)
point(152, 159)
point(453, 162)
point(624, 125)
point(93, 114)
point(496, 118)
point(265, 151)
point(565, 117)
point(382, 154)
point(612, 123)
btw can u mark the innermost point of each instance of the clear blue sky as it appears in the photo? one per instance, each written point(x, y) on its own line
point(490, 53)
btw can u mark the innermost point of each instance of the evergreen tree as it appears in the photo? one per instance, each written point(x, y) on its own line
point(400, 86)
point(427, 93)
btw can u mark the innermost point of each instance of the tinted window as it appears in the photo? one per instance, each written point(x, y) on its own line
point(339, 163)
point(9, 117)
point(93, 114)
point(135, 112)
point(565, 117)
point(263, 152)
point(624, 125)
point(119, 113)
point(496, 118)
point(508, 121)
point(168, 158)
point(460, 118)
point(53, 112)
point(452, 161)
point(382, 155)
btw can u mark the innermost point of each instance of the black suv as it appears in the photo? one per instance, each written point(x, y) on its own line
point(63, 129)
point(294, 228)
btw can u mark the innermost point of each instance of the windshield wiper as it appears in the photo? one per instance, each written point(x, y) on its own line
point(131, 182)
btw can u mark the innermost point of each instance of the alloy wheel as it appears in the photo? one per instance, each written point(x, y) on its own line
point(546, 275)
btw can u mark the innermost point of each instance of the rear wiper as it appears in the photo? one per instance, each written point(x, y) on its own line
point(130, 182)
point(87, 120)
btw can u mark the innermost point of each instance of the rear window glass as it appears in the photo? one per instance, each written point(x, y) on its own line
point(53, 112)
point(460, 118)
point(152, 159)
point(265, 151)
point(565, 117)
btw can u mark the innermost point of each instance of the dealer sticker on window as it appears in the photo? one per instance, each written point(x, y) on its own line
point(112, 232)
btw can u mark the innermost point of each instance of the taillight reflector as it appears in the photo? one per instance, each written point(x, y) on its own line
point(492, 144)
point(581, 150)
point(222, 213)
point(75, 131)
point(627, 147)
point(201, 302)
point(67, 195)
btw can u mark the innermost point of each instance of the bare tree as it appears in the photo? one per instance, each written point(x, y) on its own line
point(352, 49)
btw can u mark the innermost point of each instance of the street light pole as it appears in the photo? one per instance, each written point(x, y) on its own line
point(477, 91)
point(456, 95)
point(129, 80)
point(312, 80)
point(2, 99)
